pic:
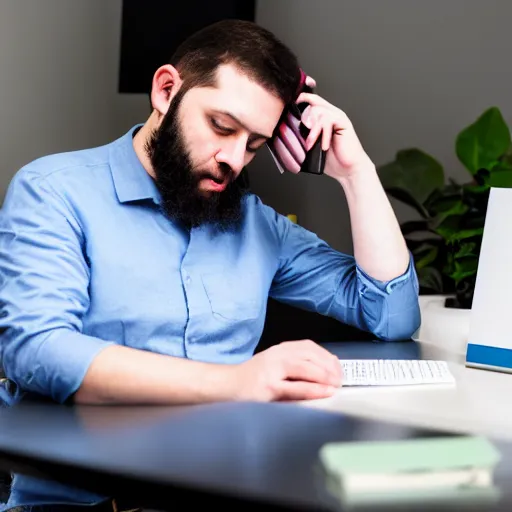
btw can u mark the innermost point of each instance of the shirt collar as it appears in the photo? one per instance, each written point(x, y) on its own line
point(131, 180)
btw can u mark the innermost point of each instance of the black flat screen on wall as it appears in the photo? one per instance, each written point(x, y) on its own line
point(152, 29)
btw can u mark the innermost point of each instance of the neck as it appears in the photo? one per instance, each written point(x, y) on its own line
point(140, 140)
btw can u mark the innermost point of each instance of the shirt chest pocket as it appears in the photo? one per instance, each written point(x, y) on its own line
point(234, 297)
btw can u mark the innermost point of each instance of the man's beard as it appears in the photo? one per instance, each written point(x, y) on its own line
point(178, 183)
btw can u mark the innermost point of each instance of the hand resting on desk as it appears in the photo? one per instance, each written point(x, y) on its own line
point(295, 370)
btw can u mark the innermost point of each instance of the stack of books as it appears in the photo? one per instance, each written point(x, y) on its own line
point(423, 470)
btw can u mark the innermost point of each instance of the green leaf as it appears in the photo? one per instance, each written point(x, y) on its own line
point(494, 165)
point(428, 258)
point(446, 232)
point(443, 199)
point(483, 142)
point(468, 264)
point(419, 247)
point(414, 171)
point(457, 208)
point(405, 197)
point(501, 177)
point(452, 235)
point(466, 249)
point(506, 159)
point(459, 276)
point(476, 189)
point(464, 268)
point(430, 278)
point(467, 233)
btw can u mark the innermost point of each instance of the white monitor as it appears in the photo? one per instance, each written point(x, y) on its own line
point(490, 336)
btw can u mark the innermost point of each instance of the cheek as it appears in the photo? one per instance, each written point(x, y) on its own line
point(201, 145)
point(201, 152)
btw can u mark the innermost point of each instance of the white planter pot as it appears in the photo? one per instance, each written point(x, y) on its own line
point(441, 327)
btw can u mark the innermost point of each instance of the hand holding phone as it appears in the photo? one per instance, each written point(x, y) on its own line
point(288, 144)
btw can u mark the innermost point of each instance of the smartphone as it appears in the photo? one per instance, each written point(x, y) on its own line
point(293, 133)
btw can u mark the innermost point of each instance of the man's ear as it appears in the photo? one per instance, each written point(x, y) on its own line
point(166, 84)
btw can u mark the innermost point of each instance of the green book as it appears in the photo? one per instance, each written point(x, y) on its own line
point(458, 467)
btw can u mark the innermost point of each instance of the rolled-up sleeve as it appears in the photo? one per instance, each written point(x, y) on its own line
point(315, 277)
point(44, 278)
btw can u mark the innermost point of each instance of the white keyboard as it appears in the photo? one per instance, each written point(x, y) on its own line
point(394, 372)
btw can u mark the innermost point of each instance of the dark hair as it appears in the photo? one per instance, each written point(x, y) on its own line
point(250, 47)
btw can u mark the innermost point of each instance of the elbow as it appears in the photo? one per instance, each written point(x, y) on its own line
point(399, 326)
point(390, 311)
point(393, 314)
point(21, 364)
point(51, 364)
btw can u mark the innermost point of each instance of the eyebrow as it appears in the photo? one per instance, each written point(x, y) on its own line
point(237, 121)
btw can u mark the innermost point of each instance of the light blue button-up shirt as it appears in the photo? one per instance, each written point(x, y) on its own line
point(88, 259)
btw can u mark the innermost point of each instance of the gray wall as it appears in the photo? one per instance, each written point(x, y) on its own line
point(407, 72)
point(58, 79)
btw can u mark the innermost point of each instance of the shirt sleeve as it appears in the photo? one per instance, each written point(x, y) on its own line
point(44, 278)
point(313, 276)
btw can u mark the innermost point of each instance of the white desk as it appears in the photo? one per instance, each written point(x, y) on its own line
point(479, 403)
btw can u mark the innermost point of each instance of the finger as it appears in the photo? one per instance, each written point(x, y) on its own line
point(313, 136)
point(323, 357)
point(326, 136)
point(312, 99)
point(298, 390)
point(288, 137)
point(310, 82)
point(311, 351)
point(308, 370)
point(306, 117)
point(285, 157)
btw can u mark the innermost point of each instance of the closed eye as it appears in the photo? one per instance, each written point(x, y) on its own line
point(253, 150)
point(220, 128)
point(224, 130)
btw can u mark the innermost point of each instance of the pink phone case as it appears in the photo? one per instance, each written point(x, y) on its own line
point(289, 139)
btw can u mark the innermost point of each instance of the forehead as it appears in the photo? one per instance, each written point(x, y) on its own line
point(245, 99)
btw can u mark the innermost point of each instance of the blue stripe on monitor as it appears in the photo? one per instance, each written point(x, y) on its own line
point(490, 356)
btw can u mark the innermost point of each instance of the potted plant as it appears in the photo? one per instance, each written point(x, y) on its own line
point(446, 236)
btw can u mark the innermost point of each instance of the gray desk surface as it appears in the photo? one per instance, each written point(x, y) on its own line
point(259, 453)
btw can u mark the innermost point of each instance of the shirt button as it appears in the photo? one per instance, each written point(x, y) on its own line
point(187, 280)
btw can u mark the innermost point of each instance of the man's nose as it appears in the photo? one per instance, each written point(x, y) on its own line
point(233, 154)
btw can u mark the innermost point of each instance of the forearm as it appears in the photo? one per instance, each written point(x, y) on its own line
point(121, 374)
point(379, 246)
